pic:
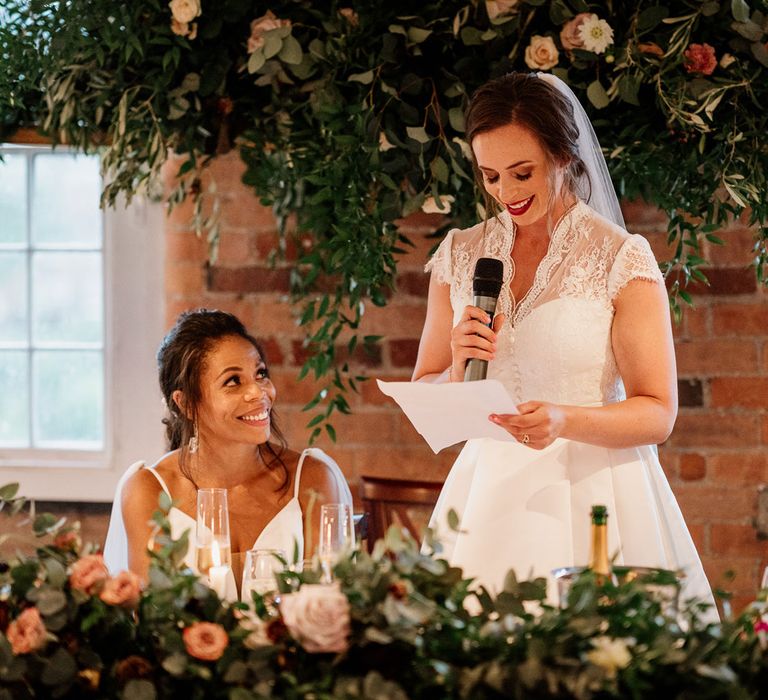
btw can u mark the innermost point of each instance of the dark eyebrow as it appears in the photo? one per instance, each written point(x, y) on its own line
point(235, 368)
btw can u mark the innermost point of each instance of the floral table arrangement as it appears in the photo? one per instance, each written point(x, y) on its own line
point(395, 624)
point(349, 116)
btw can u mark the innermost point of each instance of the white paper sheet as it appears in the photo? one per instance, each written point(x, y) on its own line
point(445, 414)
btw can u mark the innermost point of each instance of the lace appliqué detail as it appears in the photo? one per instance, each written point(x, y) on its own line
point(586, 277)
point(634, 261)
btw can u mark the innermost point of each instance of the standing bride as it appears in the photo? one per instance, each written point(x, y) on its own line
point(582, 341)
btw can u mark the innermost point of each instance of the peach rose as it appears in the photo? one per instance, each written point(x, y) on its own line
point(350, 15)
point(317, 616)
point(205, 640)
point(261, 25)
point(68, 540)
point(700, 58)
point(541, 53)
point(124, 589)
point(184, 10)
point(27, 632)
point(88, 574)
point(569, 34)
point(184, 29)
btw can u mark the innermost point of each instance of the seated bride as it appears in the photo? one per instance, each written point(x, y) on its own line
point(222, 433)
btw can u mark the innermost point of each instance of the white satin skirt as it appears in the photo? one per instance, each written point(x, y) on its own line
point(530, 510)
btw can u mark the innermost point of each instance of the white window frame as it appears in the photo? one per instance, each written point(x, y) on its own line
point(134, 314)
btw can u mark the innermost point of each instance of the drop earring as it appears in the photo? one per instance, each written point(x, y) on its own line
point(194, 442)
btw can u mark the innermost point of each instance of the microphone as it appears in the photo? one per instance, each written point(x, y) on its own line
point(486, 285)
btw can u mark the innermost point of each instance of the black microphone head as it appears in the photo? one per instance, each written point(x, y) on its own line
point(489, 274)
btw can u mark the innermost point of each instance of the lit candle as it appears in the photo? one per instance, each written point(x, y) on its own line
point(217, 574)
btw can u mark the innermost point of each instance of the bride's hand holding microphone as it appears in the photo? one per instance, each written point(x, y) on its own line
point(473, 338)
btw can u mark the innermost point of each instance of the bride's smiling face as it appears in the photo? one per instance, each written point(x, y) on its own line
point(516, 171)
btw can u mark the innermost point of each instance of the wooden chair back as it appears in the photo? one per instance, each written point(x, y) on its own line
point(397, 501)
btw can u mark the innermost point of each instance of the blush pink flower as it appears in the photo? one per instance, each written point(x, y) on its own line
point(570, 37)
point(205, 640)
point(124, 589)
point(68, 540)
point(88, 574)
point(262, 25)
point(700, 58)
point(317, 616)
point(27, 632)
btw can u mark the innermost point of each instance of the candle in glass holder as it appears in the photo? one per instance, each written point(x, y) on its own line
point(217, 572)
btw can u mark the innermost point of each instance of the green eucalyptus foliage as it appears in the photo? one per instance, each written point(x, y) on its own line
point(349, 118)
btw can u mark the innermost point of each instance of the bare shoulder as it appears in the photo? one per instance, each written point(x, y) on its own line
point(321, 474)
point(142, 490)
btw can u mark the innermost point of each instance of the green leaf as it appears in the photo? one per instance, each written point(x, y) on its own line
point(417, 133)
point(50, 601)
point(456, 118)
point(136, 689)
point(760, 52)
point(439, 169)
point(470, 36)
point(256, 61)
point(364, 78)
point(291, 52)
point(416, 35)
point(59, 669)
point(651, 17)
point(597, 95)
point(272, 44)
point(710, 8)
point(9, 491)
point(740, 10)
point(629, 88)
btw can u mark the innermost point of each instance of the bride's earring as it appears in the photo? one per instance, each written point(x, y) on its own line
point(194, 442)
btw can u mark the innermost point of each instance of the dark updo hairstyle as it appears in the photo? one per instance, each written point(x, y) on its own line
point(181, 359)
point(529, 101)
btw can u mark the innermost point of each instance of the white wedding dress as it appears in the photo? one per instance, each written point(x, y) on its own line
point(527, 509)
point(285, 531)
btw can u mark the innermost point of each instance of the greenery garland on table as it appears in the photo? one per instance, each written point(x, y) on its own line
point(349, 116)
point(395, 625)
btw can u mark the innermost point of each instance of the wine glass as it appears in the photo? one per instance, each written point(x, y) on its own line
point(337, 536)
point(261, 565)
point(213, 553)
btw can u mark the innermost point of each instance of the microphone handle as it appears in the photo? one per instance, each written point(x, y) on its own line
point(478, 369)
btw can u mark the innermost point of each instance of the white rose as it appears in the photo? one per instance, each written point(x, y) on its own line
point(431, 206)
point(317, 616)
point(184, 10)
point(541, 53)
point(596, 34)
point(257, 631)
point(496, 8)
point(261, 25)
point(609, 654)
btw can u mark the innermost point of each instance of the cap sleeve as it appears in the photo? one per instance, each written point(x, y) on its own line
point(441, 263)
point(633, 261)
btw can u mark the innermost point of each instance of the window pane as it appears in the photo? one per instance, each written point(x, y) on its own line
point(13, 199)
point(67, 304)
point(68, 399)
point(65, 201)
point(13, 297)
point(14, 399)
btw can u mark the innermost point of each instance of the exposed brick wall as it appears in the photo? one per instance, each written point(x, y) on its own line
point(715, 460)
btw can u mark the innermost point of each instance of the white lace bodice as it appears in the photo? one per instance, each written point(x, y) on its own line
point(555, 344)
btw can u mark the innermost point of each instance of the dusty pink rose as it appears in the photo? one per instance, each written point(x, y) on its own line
point(497, 8)
point(124, 589)
point(541, 53)
point(205, 640)
point(261, 25)
point(88, 574)
point(186, 29)
point(700, 58)
point(317, 616)
point(27, 632)
point(569, 34)
point(350, 15)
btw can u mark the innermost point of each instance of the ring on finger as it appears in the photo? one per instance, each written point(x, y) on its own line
point(526, 438)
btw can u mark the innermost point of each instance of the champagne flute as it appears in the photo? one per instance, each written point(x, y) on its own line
point(261, 566)
point(337, 536)
point(213, 550)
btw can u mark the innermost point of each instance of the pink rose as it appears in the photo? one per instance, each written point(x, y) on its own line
point(498, 8)
point(205, 640)
point(317, 616)
point(350, 15)
point(700, 58)
point(27, 632)
point(124, 589)
point(569, 34)
point(261, 25)
point(88, 574)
